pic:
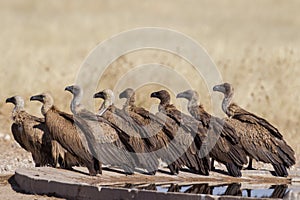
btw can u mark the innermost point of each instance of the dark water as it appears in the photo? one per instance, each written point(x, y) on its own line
point(234, 189)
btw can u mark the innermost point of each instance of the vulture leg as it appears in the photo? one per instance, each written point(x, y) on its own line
point(250, 167)
point(233, 170)
point(173, 169)
point(97, 166)
point(37, 165)
point(212, 165)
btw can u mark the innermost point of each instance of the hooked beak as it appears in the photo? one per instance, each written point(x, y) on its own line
point(37, 98)
point(219, 88)
point(122, 95)
point(181, 95)
point(69, 88)
point(154, 95)
point(10, 100)
point(99, 95)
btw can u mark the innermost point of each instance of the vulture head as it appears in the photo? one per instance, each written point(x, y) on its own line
point(43, 98)
point(189, 95)
point(74, 89)
point(106, 94)
point(77, 96)
point(17, 101)
point(100, 95)
point(46, 99)
point(162, 95)
point(225, 88)
point(128, 93)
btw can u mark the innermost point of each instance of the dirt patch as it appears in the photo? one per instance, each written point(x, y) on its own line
point(4, 180)
point(12, 157)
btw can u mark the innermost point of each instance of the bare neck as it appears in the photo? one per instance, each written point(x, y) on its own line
point(130, 102)
point(163, 104)
point(47, 106)
point(17, 109)
point(193, 102)
point(197, 110)
point(226, 103)
point(75, 104)
point(105, 105)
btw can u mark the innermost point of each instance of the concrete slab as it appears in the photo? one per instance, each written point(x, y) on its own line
point(78, 185)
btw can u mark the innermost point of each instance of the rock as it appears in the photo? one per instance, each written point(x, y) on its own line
point(7, 137)
point(8, 168)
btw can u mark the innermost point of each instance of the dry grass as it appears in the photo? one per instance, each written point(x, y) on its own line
point(255, 45)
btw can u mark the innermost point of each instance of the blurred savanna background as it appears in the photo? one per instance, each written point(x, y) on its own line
point(254, 44)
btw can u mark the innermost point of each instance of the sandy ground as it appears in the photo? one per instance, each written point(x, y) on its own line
point(255, 45)
point(13, 157)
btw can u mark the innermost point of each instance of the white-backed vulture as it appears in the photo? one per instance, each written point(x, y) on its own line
point(145, 122)
point(139, 145)
point(31, 133)
point(157, 132)
point(159, 135)
point(223, 139)
point(187, 133)
point(261, 140)
point(104, 141)
point(62, 129)
point(135, 120)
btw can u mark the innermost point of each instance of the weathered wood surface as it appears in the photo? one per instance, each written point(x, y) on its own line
point(78, 185)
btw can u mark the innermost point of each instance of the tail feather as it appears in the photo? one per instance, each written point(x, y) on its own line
point(286, 153)
point(197, 164)
point(280, 170)
point(204, 165)
point(238, 155)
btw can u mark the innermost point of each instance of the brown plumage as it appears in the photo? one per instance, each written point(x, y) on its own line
point(62, 158)
point(131, 131)
point(158, 133)
point(103, 140)
point(261, 140)
point(187, 132)
point(223, 140)
point(62, 129)
point(31, 133)
point(136, 121)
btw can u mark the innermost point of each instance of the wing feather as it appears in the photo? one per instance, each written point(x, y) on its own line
point(245, 116)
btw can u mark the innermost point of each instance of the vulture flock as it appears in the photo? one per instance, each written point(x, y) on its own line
point(132, 137)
